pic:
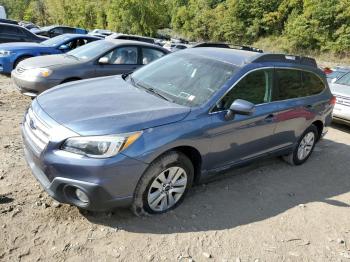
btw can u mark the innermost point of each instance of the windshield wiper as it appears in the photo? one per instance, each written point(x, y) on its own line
point(151, 90)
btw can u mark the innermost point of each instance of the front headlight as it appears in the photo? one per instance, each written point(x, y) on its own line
point(37, 72)
point(4, 53)
point(100, 146)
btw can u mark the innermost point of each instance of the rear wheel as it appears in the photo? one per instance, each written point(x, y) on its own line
point(304, 147)
point(164, 184)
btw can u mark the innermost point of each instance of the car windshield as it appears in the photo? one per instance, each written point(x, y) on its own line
point(55, 41)
point(345, 80)
point(336, 74)
point(91, 50)
point(184, 78)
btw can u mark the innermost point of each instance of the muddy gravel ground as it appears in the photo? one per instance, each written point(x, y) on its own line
point(268, 211)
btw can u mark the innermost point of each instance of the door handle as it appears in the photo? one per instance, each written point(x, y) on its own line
point(308, 106)
point(270, 118)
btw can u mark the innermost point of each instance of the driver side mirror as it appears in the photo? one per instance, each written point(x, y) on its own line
point(103, 60)
point(240, 107)
point(63, 48)
point(334, 80)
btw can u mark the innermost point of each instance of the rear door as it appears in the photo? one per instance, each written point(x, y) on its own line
point(123, 59)
point(296, 104)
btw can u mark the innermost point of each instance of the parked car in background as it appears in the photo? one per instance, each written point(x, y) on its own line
point(2, 12)
point(52, 31)
point(337, 73)
point(175, 47)
point(145, 139)
point(132, 37)
point(341, 90)
point(8, 21)
point(12, 54)
point(99, 58)
point(16, 33)
point(28, 25)
point(100, 33)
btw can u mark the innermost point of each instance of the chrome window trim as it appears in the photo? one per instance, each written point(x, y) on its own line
point(264, 68)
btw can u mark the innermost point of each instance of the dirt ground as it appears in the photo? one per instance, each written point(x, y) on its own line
point(268, 211)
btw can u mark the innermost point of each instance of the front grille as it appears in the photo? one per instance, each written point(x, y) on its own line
point(343, 100)
point(20, 70)
point(36, 131)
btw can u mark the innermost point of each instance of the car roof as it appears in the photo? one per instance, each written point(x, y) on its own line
point(7, 24)
point(232, 56)
point(80, 35)
point(133, 42)
point(241, 58)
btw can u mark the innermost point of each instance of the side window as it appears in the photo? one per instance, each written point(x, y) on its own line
point(76, 43)
point(288, 84)
point(123, 56)
point(12, 30)
point(344, 80)
point(57, 31)
point(255, 87)
point(312, 84)
point(68, 30)
point(150, 54)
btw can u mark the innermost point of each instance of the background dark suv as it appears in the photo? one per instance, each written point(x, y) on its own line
point(15, 33)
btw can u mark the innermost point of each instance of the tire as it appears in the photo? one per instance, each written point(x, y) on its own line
point(20, 60)
point(154, 186)
point(296, 158)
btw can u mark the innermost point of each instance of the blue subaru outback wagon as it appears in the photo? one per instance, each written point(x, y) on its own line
point(143, 140)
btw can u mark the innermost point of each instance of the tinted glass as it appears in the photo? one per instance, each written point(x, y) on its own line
point(91, 50)
point(11, 30)
point(68, 30)
point(288, 84)
point(345, 80)
point(150, 54)
point(186, 79)
point(255, 88)
point(122, 56)
point(311, 84)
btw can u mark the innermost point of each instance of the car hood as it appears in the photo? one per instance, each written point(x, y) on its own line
point(108, 105)
point(342, 90)
point(20, 45)
point(48, 61)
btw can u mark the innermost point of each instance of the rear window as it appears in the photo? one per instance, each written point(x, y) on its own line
point(295, 83)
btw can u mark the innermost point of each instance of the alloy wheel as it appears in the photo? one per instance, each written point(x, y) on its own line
point(167, 189)
point(306, 145)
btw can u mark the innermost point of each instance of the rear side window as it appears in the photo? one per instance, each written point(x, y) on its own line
point(288, 84)
point(311, 84)
point(295, 83)
point(150, 54)
point(255, 88)
point(11, 30)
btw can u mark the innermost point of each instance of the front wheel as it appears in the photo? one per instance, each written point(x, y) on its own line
point(304, 147)
point(164, 184)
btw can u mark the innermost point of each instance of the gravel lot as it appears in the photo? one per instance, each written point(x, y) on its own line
point(268, 211)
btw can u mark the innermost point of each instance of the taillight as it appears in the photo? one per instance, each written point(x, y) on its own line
point(333, 101)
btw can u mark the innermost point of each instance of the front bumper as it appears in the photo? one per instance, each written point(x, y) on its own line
point(6, 65)
point(108, 183)
point(33, 87)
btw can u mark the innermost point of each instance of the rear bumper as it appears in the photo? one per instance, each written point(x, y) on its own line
point(33, 87)
point(341, 113)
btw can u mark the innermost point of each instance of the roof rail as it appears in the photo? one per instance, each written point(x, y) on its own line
point(227, 45)
point(302, 60)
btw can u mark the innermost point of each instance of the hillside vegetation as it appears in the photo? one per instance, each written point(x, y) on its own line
point(299, 26)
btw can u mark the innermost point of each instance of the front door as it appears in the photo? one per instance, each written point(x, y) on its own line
point(120, 60)
point(243, 137)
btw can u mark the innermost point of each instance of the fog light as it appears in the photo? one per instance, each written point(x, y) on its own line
point(81, 196)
